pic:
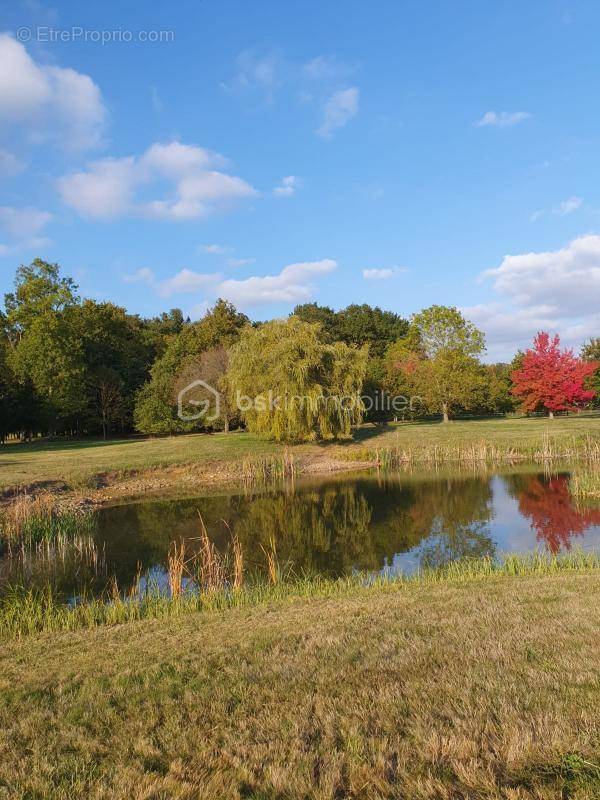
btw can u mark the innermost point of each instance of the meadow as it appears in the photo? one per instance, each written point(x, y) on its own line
point(469, 686)
point(79, 463)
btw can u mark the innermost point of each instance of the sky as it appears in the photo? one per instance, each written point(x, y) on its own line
point(393, 153)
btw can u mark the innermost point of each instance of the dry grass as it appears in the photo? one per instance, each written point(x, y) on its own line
point(479, 689)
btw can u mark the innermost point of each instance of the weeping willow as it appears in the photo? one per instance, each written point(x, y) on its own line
point(291, 387)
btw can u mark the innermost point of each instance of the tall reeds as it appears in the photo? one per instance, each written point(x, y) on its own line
point(24, 612)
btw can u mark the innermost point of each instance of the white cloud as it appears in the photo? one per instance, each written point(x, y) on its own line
point(142, 275)
point(555, 290)
point(49, 102)
point(291, 285)
point(562, 209)
point(23, 223)
point(240, 262)
point(502, 119)
point(215, 249)
point(23, 228)
point(339, 109)
point(381, 274)
point(567, 281)
point(186, 281)
point(326, 68)
point(109, 188)
point(287, 187)
point(256, 73)
point(569, 206)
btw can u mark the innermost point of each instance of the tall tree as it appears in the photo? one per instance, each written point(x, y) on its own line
point(156, 405)
point(552, 379)
point(39, 291)
point(440, 360)
point(290, 386)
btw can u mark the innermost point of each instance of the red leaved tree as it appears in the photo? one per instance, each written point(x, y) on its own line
point(551, 378)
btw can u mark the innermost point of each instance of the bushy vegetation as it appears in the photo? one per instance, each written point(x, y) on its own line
point(73, 367)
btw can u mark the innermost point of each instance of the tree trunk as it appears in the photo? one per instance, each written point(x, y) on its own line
point(445, 412)
point(551, 415)
point(226, 425)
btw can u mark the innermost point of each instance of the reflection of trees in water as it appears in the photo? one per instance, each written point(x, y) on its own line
point(330, 528)
point(461, 511)
point(547, 503)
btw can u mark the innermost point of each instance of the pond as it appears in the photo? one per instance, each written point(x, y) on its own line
point(375, 522)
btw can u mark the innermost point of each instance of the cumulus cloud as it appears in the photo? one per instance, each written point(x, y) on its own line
point(111, 187)
point(567, 281)
point(293, 284)
point(49, 102)
point(339, 109)
point(186, 281)
point(381, 274)
point(555, 290)
point(502, 119)
point(287, 187)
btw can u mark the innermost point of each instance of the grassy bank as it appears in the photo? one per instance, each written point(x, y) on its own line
point(239, 455)
point(478, 687)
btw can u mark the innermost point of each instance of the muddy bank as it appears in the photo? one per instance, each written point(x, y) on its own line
point(108, 487)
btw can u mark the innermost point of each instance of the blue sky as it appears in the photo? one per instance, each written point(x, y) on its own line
point(395, 153)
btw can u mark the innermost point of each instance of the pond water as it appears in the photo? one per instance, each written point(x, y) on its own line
point(374, 522)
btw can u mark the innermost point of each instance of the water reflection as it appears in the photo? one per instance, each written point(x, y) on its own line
point(553, 514)
point(337, 525)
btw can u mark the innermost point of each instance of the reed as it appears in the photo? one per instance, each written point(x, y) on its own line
point(25, 611)
point(480, 452)
point(585, 481)
point(175, 568)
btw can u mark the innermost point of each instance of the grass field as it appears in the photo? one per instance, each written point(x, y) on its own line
point(484, 688)
point(75, 462)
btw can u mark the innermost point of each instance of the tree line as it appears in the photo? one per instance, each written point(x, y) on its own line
point(78, 367)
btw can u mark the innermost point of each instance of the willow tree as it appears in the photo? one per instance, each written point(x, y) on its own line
point(291, 387)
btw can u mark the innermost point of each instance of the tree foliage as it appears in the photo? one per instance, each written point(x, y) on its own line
point(291, 386)
point(551, 378)
point(439, 361)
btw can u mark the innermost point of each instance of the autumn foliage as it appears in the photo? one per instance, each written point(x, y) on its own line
point(551, 378)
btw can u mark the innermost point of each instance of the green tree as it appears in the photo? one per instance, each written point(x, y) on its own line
point(49, 355)
point(39, 291)
point(499, 398)
point(291, 386)
point(156, 404)
point(442, 360)
point(591, 352)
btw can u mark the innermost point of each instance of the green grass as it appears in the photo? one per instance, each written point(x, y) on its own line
point(585, 481)
point(29, 611)
point(79, 463)
point(468, 686)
